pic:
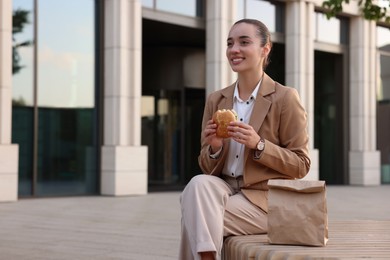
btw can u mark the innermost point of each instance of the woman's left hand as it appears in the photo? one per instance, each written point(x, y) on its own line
point(243, 134)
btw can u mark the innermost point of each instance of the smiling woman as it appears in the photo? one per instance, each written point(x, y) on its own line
point(54, 121)
point(268, 141)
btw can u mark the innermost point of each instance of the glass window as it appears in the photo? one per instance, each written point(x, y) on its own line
point(61, 158)
point(23, 91)
point(240, 9)
point(383, 93)
point(333, 30)
point(327, 30)
point(23, 38)
point(66, 91)
point(383, 45)
point(177, 6)
point(383, 104)
point(147, 3)
point(65, 54)
point(263, 11)
point(270, 14)
point(192, 8)
point(383, 38)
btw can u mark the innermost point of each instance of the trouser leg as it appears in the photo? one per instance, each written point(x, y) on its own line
point(185, 245)
point(210, 211)
point(242, 217)
point(203, 204)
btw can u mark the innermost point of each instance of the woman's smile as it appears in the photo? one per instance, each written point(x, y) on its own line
point(236, 60)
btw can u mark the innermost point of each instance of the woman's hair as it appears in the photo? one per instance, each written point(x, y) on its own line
point(263, 33)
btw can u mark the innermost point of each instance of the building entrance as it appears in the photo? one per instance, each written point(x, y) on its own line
point(173, 96)
point(172, 133)
point(331, 121)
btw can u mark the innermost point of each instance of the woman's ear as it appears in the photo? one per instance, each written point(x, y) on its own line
point(266, 50)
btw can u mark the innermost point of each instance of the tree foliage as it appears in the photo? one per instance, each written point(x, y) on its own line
point(371, 9)
point(19, 21)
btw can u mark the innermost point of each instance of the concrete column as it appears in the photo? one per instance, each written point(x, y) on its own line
point(364, 159)
point(9, 153)
point(124, 160)
point(300, 66)
point(220, 16)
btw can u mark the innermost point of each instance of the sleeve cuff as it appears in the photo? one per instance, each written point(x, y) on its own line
point(215, 155)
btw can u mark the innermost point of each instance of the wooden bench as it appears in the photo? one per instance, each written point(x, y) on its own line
point(347, 240)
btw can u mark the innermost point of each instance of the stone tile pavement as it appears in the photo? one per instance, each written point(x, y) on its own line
point(135, 227)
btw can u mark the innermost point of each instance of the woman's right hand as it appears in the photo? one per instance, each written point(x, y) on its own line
point(211, 138)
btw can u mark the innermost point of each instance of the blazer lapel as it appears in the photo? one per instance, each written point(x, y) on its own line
point(262, 104)
point(227, 101)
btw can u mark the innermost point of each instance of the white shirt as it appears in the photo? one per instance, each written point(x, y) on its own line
point(234, 165)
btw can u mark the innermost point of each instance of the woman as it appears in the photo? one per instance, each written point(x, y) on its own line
point(268, 141)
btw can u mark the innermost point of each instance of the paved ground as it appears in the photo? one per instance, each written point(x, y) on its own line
point(138, 227)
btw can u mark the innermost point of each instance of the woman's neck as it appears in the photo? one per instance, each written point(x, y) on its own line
point(247, 83)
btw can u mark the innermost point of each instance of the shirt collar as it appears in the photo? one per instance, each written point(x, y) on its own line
point(253, 96)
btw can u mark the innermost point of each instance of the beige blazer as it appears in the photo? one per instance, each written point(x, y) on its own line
point(279, 118)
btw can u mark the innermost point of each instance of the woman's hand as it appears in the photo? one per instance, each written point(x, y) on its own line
point(243, 134)
point(211, 138)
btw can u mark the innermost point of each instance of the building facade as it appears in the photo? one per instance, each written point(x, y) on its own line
point(106, 96)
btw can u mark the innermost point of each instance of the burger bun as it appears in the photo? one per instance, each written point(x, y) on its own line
point(222, 118)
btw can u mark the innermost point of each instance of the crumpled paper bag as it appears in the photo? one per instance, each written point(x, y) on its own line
point(297, 212)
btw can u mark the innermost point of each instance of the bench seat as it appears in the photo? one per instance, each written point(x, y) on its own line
point(347, 240)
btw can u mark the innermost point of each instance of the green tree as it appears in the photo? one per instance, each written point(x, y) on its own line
point(371, 9)
point(19, 21)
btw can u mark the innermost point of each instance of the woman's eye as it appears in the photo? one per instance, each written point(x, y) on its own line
point(229, 44)
point(244, 43)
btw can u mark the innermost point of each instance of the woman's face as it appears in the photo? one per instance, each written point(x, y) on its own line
point(244, 50)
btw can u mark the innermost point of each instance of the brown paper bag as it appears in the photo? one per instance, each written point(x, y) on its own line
point(297, 212)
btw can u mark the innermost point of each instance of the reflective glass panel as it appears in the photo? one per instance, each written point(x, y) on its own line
point(147, 3)
point(383, 90)
point(383, 38)
point(187, 7)
point(263, 11)
point(329, 116)
point(66, 54)
point(383, 104)
point(326, 30)
point(23, 91)
point(66, 90)
point(240, 9)
point(23, 37)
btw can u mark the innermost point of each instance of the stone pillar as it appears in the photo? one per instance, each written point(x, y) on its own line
point(9, 153)
point(124, 160)
point(220, 16)
point(300, 66)
point(364, 159)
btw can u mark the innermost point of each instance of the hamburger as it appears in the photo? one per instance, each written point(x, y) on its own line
point(222, 118)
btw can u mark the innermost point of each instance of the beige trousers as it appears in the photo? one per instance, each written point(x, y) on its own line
point(213, 208)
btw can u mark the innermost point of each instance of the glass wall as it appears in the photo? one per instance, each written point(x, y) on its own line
point(271, 14)
point(188, 7)
point(383, 100)
point(331, 95)
point(54, 108)
point(23, 90)
point(329, 122)
point(333, 30)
